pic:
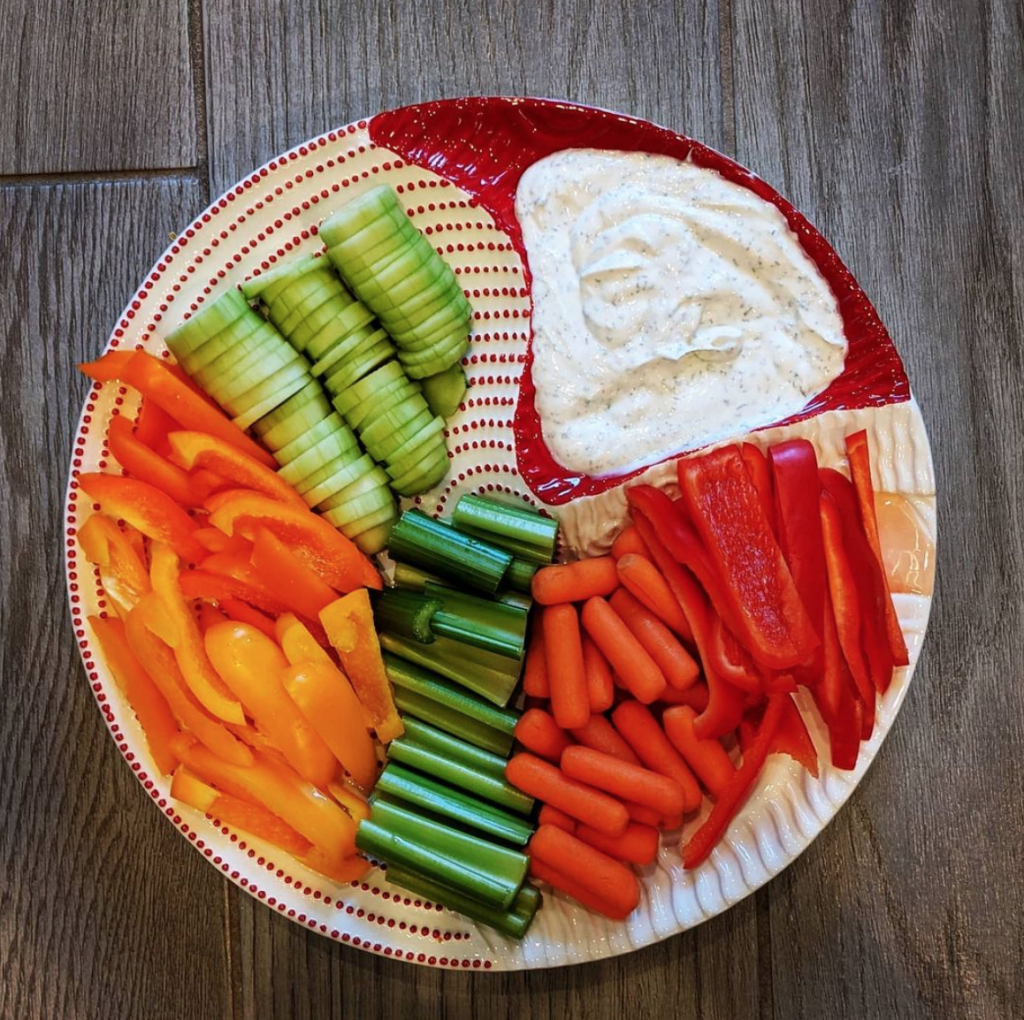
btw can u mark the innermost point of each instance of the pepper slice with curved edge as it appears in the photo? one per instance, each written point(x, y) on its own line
point(299, 586)
point(349, 624)
point(152, 425)
point(724, 707)
point(730, 659)
point(846, 611)
point(145, 508)
point(281, 790)
point(867, 574)
point(323, 549)
point(251, 664)
point(148, 704)
point(163, 669)
point(114, 364)
point(195, 450)
point(199, 674)
point(299, 645)
point(729, 801)
point(757, 469)
point(148, 466)
point(727, 513)
point(836, 697)
point(123, 574)
point(860, 471)
point(791, 736)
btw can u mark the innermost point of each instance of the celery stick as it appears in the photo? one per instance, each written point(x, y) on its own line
point(444, 718)
point(508, 526)
point(520, 574)
point(453, 748)
point(430, 795)
point(481, 622)
point(413, 578)
point(406, 613)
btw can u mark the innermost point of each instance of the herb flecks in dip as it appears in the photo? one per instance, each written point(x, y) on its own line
point(671, 308)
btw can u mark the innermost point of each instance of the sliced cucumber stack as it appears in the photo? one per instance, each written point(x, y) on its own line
point(393, 269)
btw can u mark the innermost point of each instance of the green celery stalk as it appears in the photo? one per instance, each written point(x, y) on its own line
point(462, 751)
point(412, 578)
point(490, 873)
point(521, 550)
point(520, 574)
point(407, 613)
point(483, 623)
point(515, 599)
point(448, 719)
point(523, 532)
point(513, 921)
point(480, 784)
point(426, 793)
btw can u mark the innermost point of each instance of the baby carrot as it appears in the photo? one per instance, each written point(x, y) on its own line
point(695, 696)
point(626, 655)
point(675, 662)
point(563, 655)
point(563, 883)
point(706, 757)
point(643, 815)
point(575, 582)
point(544, 781)
point(599, 734)
point(638, 844)
point(600, 684)
point(538, 732)
point(552, 816)
point(629, 541)
point(644, 580)
point(595, 871)
point(641, 731)
point(621, 779)
point(535, 670)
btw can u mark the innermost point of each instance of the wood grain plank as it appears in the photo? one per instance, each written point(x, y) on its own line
point(105, 911)
point(890, 126)
point(316, 65)
point(103, 86)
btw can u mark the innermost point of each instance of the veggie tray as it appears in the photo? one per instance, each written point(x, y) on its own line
point(690, 722)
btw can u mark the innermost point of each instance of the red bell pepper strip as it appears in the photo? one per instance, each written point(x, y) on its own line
point(146, 508)
point(152, 424)
point(114, 364)
point(321, 547)
point(157, 381)
point(299, 586)
point(860, 471)
point(148, 466)
point(193, 450)
point(757, 470)
point(846, 609)
point(730, 660)
point(148, 704)
point(791, 736)
point(729, 801)
point(724, 708)
point(836, 697)
point(123, 573)
point(727, 512)
point(868, 577)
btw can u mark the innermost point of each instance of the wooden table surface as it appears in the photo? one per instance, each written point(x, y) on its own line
point(896, 127)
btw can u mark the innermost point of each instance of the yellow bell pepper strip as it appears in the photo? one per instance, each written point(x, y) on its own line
point(251, 665)
point(189, 652)
point(281, 790)
point(860, 471)
point(148, 704)
point(326, 551)
point(207, 615)
point(122, 572)
point(251, 737)
point(148, 466)
point(299, 645)
point(159, 382)
point(348, 622)
point(354, 803)
point(299, 586)
point(326, 699)
point(231, 810)
point(146, 508)
point(193, 450)
point(163, 669)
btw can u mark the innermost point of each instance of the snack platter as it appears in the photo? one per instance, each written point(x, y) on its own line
point(455, 166)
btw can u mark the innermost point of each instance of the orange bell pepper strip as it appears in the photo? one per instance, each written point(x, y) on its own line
point(207, 615)
point(152, 425)
point(163, 669)
point(148, 704)
point(146, 508)
point(122, 572)
point(354, 803)
point(281, 790)
point(194, 450)
point(231, 810)
point(326, 699)
point(251, 665)
point(159, 382)
point(108, 367)
point(242, 612)
point(217, 587)
point(351, 869)
point(299, 586)
point(215, 541)
point(299, 645)
point(350, 629)
point(237, 566)
point(321, 547)
point(148, 466)
point(860, 471)
point(189, 652)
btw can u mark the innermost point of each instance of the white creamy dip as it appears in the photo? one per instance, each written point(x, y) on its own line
point(671, 308)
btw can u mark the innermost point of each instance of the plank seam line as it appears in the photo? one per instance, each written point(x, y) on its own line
point(197, 59)
point(726, 83)
point(141, 174)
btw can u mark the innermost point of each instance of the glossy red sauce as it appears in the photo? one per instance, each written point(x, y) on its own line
point(485, 144)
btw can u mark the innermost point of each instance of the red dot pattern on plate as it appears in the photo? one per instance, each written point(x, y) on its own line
point(273, 214)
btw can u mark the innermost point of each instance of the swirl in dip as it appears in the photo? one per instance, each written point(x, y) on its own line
point(671, 309)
